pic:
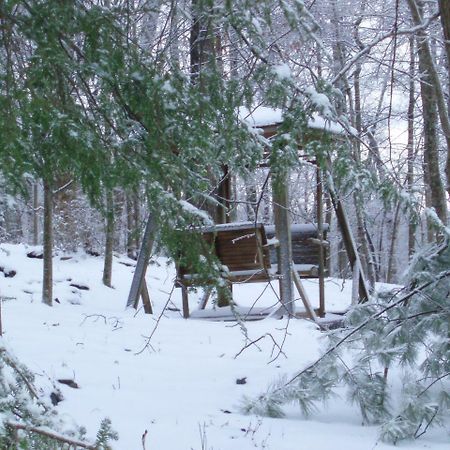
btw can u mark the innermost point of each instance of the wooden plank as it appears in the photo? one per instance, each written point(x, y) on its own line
point(146, 298)
point(304, 296)
point(185, 300)
point(142, 262)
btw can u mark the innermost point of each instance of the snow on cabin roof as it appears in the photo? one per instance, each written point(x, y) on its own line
point(263, 116)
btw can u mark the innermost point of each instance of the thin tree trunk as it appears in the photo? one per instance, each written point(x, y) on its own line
point(133, 214)
point(250, 199)
point(47, 282)
point(174, 41)
point(283, 235)
point(367, 261)
point(35, 214)
point(109, 241)
point(266, 209)
point(431, 140)
point(430, 74)
point(444, 6)
point(429, 232)
point(391, 263)
point(202, 48)
point(410, 145)
point(130, 227)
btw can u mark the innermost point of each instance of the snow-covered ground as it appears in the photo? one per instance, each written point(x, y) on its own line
point(180, 385)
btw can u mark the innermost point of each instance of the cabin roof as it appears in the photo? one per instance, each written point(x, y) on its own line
point(262, 116)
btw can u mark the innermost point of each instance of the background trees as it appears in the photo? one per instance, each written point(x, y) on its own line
point(102, 97)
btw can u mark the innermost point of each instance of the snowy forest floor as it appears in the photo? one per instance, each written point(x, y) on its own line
point(181, 386)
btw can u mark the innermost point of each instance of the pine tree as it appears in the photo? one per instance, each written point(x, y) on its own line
point(404, 334)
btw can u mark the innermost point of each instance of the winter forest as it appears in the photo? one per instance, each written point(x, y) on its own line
point(224, 224)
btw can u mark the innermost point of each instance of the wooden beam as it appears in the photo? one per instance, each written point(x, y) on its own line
point(185, 301)
point(303, 295)
point(142, 263)
point(146, 299)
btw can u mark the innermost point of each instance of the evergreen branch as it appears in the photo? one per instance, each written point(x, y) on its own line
point(52, 435)
point(417, 436)
point(434, 382)
point(9, 360)
point(404, 299)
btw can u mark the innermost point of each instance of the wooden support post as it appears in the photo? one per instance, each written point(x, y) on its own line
point(303, 295)
point(145, 299)
point(320, 237)
point(142, 262)
point(185, 301)
point(282, 221)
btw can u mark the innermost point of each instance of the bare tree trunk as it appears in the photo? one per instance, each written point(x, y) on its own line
point(133, 225)
point(150, 25)
point(431, 140)
point(250, 199)
point(444, 6)
point(109, 241)
point(444, 9)
point(410, 145)
point(130, 227)
point(47, 281)
point(367, 261)
point(430, 75)
point(174, 42)
point(266, 201)
point(35, 213)
point(428, 232)
point(202, 41)
point(391, 262)
point(283, 234)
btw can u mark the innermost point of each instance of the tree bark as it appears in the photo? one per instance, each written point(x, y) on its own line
point(47, 282)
